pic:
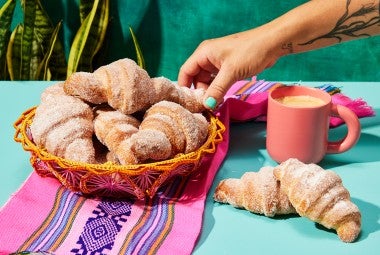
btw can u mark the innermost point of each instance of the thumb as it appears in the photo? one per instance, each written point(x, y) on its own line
point(217, 90)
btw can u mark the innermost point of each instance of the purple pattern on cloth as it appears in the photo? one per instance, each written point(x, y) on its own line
point(100, 231)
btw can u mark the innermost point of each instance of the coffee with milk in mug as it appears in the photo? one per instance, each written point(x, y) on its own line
point(300, 101)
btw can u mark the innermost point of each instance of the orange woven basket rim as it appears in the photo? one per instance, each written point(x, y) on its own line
point(22, 124)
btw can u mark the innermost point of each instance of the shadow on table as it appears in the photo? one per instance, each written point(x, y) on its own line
point(366, 150)
point(370, 222)
point(370, 219)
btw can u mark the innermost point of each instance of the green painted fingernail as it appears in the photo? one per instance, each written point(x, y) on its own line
point(211, 102)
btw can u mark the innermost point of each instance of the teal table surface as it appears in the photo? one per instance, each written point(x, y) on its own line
point(227, 230)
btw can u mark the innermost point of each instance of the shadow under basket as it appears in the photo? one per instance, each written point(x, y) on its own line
point(110, 179)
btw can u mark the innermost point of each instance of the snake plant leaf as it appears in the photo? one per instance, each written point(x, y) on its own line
point(29, 8)
point(96, 36)
point(85, 8)
point(13, 53)
point(35, 58)
point(43, 34)
point(4, 74)
point(89, 38)
point(6, 15)
point(43, 72)
point(139, 55)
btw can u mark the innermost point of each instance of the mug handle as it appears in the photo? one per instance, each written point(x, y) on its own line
point(353, 129)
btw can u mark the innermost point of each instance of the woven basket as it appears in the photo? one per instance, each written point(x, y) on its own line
point(110, 179)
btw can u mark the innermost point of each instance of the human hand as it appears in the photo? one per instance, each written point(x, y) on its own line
point(218, 63)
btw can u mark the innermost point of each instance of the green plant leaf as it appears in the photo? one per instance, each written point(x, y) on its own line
point(139, 55)
point(29, 8)
point(35, 58)
point(90, 37)
point(4, 74)
point(43, 72)
point(96, 37)
point(85, 8)
point(13, 53)
point(43, 33)
point(6, 15)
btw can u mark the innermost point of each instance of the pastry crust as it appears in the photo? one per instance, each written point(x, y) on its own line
point(122, 84)
point(63, 125)
point(319, 195)
point(128, 88)
point(258, 192)
point(189, 98)
point(163, 133)
point(193, 127)
point(111, 127)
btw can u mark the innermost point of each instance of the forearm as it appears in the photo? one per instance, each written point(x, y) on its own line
point(315, 24)
point(321, 23)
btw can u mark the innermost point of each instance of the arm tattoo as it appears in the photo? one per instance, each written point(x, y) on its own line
point(288, 47)
point(349, 24)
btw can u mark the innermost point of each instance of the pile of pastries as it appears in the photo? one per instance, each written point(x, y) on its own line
point(295, 187)
point(119, 113)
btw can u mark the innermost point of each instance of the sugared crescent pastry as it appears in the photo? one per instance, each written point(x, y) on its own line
point(166, 130)
point(63, 125)
point(258, 192)
point(126, 87)
point(319, 195)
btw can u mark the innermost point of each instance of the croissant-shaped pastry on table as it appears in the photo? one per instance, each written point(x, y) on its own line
point(166, 130)
point(63, 125)
point(128, 88)
point(258, 192)
point(319, 195)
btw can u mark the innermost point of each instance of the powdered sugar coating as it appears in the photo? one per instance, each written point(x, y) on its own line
point(169, 127)
point(60, 120)
point(113, 127)
point(87, 87)
point(319, 195)
point(126, 89)
point(150, 144)
point(258, 192)
point(129, 87)
point(191, 99)
point(166, 130)
point(166, 90)
point(122, 84)
point(185, 121)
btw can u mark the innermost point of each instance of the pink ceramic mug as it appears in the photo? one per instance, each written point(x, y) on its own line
point(298, 129)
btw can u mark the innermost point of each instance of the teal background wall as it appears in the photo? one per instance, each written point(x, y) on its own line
point(169, 31)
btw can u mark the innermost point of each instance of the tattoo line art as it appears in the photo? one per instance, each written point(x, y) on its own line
point(343, 26)
point(288, 46)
